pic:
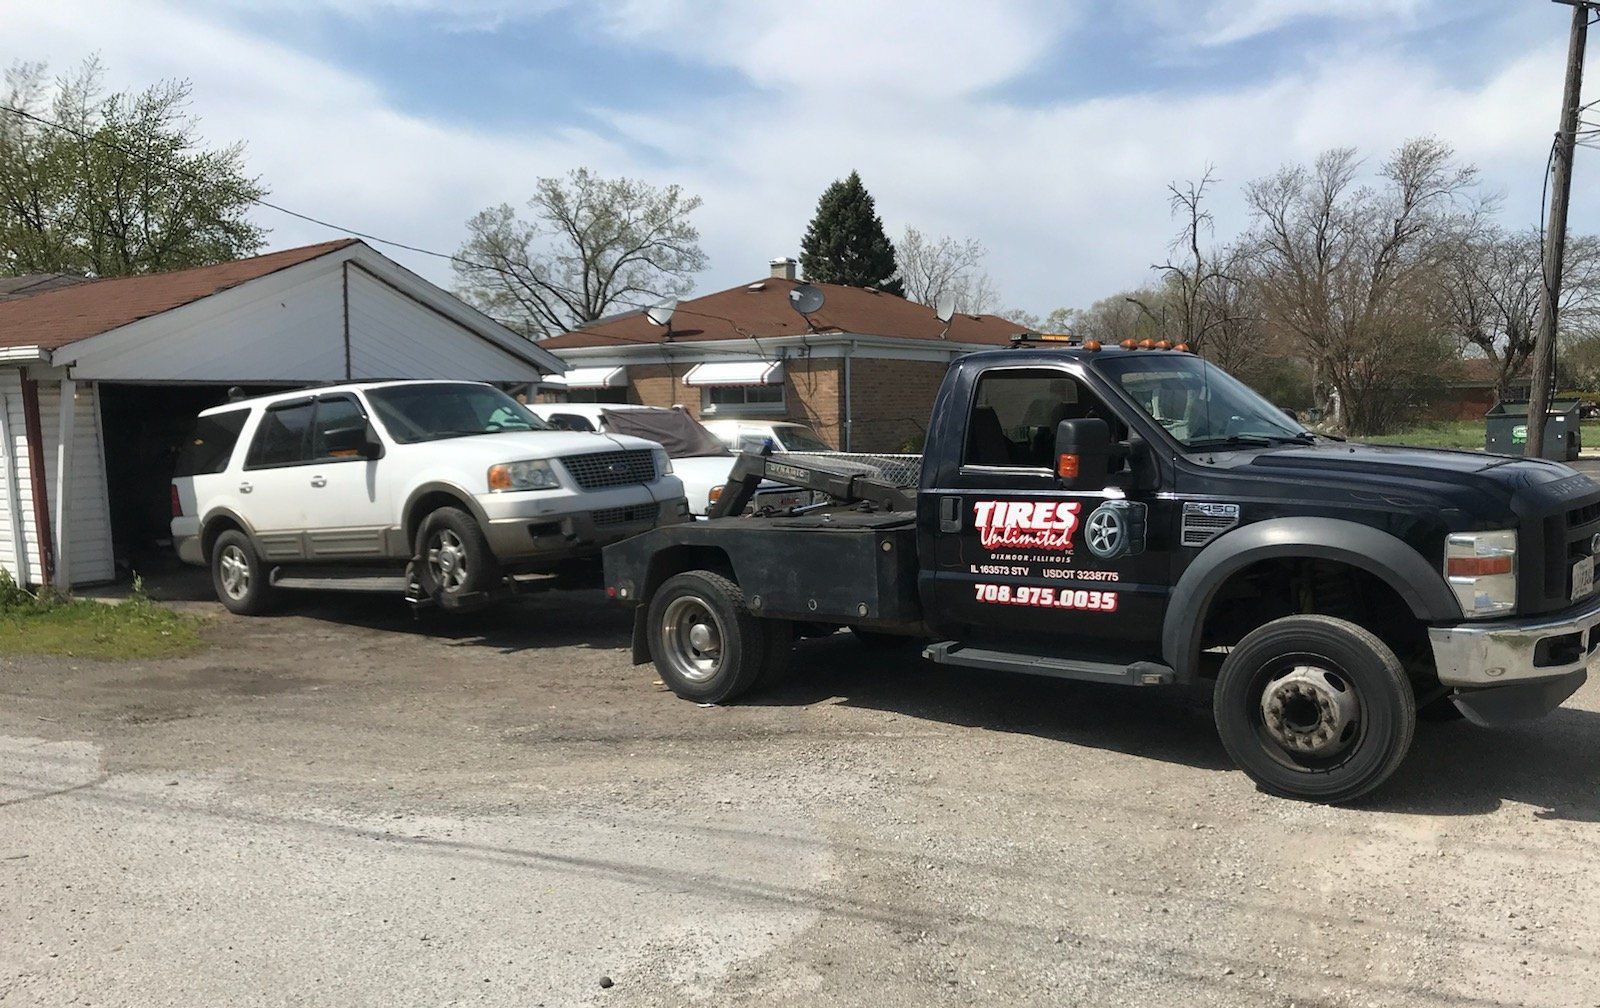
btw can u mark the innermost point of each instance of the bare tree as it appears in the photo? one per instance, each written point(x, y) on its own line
point(931, 267)
point(1198, 292)
point(1346, 269)
point(1491, 293)
point(591, 246)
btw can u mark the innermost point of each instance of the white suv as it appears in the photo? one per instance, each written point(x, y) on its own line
point(441, 488)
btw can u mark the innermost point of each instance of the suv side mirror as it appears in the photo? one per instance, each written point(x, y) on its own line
point(1083, 453)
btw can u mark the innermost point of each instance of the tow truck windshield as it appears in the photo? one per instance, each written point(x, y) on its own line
point(1199, 404)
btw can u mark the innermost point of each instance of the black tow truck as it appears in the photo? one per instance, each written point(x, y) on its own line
point(1135, 515)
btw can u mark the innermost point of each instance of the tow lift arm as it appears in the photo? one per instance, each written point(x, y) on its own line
point(848, 488)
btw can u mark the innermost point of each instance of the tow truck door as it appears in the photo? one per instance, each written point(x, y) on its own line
point(1021, 561)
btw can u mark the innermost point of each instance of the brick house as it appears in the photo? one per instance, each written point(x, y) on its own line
point(862, 373)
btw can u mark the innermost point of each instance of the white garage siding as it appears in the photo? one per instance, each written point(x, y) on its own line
point(289, 327)
point(394, 336)
point(14, 485)
point(89, 518)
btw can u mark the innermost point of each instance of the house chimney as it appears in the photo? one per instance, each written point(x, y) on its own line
point(784, 268)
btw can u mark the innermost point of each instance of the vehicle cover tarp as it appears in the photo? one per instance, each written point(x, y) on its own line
point(676, 431)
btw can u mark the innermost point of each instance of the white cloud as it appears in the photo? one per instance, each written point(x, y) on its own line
point(1226, 21)
point(1067, 194)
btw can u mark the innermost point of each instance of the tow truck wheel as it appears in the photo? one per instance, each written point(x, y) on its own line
point(706, 644)
point(1315, 708)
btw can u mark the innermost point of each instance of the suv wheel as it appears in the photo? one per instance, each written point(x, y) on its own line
point(706, 644)
point(454, 564)
point(1315, 708)
point(238, 576)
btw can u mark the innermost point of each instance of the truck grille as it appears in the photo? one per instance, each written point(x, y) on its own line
point(625, 515)
point(604, 470)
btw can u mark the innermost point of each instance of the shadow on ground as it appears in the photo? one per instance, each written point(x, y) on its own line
point(1551, 765)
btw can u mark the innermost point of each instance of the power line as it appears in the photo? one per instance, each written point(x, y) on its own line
point(367, 236)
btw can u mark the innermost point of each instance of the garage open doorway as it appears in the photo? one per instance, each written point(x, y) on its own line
point(144, 427)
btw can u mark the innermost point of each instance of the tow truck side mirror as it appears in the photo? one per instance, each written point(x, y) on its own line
point(1083, 453)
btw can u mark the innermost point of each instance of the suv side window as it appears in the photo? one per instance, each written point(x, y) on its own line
point(1015, 413)
point(283, 437)
point(211, 444)
point(335, 413)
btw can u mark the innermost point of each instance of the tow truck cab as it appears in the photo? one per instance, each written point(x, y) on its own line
point(1139, 516)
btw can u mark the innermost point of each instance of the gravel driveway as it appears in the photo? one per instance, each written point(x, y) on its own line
point(343, 806)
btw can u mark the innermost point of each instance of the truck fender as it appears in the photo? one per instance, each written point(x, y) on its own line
point(1421, 586)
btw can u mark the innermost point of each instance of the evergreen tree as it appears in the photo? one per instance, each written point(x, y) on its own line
point(845, 242)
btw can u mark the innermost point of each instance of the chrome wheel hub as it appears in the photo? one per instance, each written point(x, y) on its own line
point(1310, 711)
point(447, 560)
point(691, 636)
point(234, 569)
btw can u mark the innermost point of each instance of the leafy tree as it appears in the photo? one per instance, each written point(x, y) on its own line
point(125, 187)
point(592, 246)
point(845, 242)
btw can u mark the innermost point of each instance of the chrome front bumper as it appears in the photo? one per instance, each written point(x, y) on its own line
point(1509, 651)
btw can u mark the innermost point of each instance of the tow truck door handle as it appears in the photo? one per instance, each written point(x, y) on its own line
point(949, 514)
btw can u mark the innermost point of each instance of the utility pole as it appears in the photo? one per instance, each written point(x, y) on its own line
point(1555, 241)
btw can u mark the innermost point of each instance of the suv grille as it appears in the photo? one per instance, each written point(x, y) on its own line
point(625, 515)
point(603, 470)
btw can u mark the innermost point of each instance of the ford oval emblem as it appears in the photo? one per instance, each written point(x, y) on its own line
point(1594, 543)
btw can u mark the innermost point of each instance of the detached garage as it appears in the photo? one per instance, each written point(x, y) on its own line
point(99, 381)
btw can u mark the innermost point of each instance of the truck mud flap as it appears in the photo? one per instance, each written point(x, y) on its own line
point(1503, 705)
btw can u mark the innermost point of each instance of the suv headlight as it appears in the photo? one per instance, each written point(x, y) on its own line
point(663, 462)
point(533, 474)
point(1481, 568)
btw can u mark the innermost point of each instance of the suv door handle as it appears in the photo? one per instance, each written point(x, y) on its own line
point(318, 481)
point(245, 488)
point(949, 514)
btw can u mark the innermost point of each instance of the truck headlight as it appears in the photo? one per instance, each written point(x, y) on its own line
point(663, 462)
point(1481, 568)
point(532, 474)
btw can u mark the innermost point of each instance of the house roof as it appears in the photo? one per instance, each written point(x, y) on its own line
point(55, 318)
point(36, 283)
point(761, 310)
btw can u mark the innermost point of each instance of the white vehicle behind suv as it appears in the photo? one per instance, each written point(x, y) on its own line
point(443, 489)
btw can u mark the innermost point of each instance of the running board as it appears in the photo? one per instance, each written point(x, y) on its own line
point(354, 583)
point(1137, 674)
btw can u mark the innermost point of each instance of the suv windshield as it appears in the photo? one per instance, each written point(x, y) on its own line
point(435, 411)
point(1198, 403)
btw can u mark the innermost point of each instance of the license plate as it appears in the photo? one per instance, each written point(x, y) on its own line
point(1582, 578)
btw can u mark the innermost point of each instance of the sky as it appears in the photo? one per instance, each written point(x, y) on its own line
point(1046, 129)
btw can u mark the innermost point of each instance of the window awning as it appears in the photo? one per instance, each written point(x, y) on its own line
point(596, 377)
point(734, 373)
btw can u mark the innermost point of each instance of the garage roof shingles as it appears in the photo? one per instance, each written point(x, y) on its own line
point(56, 318)
point(761, 310)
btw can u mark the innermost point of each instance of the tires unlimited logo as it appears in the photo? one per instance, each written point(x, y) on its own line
point(1047, 527)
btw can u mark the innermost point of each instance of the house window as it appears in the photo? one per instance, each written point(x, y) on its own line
point(598, 395)
point(741, 400)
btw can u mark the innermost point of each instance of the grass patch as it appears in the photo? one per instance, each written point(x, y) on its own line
point(49, 624)
point(1466, 434)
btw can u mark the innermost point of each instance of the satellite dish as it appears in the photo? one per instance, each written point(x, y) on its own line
point(805, 299)
point(660, 313)
point(945, 308)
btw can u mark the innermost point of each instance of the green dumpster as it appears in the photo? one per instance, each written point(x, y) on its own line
point(1505, 429)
